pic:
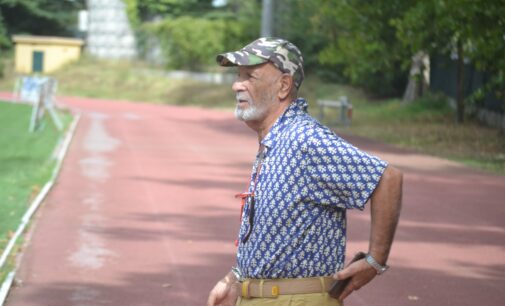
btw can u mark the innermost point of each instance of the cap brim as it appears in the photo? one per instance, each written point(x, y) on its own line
point(239, 58)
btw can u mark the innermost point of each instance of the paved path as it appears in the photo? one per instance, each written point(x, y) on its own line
point(144, 214)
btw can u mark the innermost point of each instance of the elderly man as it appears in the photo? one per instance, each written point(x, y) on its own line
point(291, 244)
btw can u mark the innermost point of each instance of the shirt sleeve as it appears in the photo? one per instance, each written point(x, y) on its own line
point(338, 173)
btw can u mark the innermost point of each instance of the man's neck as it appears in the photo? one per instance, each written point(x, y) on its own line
point(263, 127)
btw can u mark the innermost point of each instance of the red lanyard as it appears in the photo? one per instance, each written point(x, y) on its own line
point(244, 195)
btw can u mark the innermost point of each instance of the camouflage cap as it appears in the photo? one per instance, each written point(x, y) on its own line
point(283, 54)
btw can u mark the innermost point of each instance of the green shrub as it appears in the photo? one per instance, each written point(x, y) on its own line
point(193, 42)
point(4, 43)
point(1, 66)
point(189, 42)
point(4, 38)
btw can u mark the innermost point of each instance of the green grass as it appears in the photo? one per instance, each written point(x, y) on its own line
point(26, 163)
point(122, 80)
point(426, 125)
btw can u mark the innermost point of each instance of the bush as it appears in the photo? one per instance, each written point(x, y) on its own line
point(193, 43)
point(4, 38)
point(4, 44)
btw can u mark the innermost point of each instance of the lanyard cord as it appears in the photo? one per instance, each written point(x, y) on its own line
point(243, 196)
point(258, 171)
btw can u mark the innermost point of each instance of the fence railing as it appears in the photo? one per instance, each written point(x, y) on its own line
point(342, 105)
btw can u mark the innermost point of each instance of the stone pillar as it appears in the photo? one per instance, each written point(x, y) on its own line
point(109, 34)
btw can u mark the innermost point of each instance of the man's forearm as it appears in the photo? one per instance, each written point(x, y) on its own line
point(385, 212)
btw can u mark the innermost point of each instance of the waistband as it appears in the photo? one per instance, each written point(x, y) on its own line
point(271, 288)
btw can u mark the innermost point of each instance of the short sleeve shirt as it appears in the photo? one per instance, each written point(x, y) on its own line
point(308, 178)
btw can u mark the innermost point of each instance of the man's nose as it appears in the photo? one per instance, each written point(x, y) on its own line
point(237, 86)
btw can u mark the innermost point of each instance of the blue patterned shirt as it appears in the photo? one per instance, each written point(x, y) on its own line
point(308, 178)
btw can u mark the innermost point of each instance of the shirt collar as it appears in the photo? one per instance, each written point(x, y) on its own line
point(296, 108)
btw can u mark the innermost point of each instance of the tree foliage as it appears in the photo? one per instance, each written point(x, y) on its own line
point(185, 47)
point(436, 25)
point(38, 17)
point(191, 33)
point(4, 39)
point(351, 41)
point(301, 29)
point(467, 30)
point(173, 8)
point(366, 43)
point(371, 43)
point(146, 10)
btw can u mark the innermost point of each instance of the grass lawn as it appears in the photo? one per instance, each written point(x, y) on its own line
point(435, 133)
point(120, 80)
point(26, 163)
point(426, 125)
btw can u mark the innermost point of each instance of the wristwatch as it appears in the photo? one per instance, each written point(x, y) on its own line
point(379, 268)
point(236, 272)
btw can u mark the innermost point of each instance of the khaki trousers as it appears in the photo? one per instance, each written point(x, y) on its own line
point(311, 299)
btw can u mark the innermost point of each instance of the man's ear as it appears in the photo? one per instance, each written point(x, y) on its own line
point(286, 84)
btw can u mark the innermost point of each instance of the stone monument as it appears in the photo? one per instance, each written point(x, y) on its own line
point(109, 32)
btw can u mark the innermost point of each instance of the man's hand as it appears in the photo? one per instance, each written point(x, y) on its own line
point(361, 273)
point(225, 292)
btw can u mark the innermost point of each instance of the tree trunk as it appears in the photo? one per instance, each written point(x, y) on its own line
point(460, 99)
point(418, 77)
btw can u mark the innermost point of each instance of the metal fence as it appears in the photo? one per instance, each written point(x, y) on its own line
point(343, 107)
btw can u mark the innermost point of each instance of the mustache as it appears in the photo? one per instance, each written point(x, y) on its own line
point(242, 97)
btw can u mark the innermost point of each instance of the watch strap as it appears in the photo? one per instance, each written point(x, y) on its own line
point(378, 267)
point(236, 272)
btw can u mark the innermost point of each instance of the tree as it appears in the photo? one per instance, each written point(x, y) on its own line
point(4, 39)
point(360, 41)
point(39, 17)
point(297, 27)
point(191, 33)
point(465, 29)
point(190, 42)
point(140, 11)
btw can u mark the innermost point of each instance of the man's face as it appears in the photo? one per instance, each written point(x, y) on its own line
point(255, 90)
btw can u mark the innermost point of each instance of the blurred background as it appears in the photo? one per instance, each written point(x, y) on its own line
point(427, 75)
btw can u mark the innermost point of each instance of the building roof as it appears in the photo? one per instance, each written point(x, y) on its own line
point(47, 40)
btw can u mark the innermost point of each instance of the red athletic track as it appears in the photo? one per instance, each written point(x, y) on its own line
point(143, 214)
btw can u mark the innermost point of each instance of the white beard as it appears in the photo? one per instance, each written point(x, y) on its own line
point(254, 111)
point(250, 113)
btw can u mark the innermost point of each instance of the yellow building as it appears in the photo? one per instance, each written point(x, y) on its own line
point(44, 54)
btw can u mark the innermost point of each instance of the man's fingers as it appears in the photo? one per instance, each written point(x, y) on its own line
point(360, 273)
point(350, 288)
point(347, 291)
point(342, 274)
point(212, 300)
point(347, 272)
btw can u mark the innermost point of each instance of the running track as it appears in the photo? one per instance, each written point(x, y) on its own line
point(144, 214)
